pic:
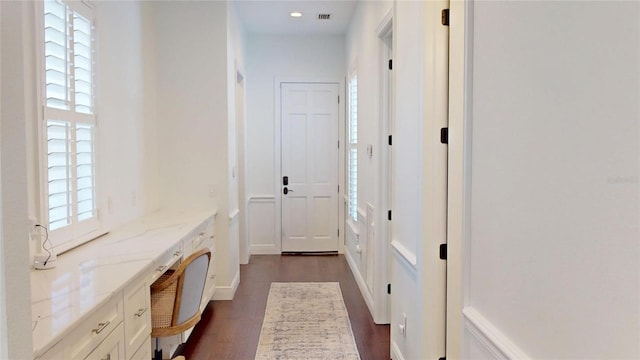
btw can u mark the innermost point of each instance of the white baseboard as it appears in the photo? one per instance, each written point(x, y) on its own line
point(227, 292)
point(396, 354)
point(490, 338)
point(264, 250)
point(361, 283)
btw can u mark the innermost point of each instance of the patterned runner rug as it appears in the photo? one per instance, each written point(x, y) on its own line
point(306, 321)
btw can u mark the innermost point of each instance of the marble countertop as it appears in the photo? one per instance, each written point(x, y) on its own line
point(90, 275)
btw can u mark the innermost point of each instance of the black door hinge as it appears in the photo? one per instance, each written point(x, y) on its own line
point(445, 17)
point(444, 135)
point(389, 215)
point(390, 140)
point(390, 64)
point(443, 251)
point(388, 288)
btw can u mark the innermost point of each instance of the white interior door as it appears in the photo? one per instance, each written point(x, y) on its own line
point(310, 167)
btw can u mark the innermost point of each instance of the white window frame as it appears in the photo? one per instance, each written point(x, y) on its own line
point(78, 232)
point(352, 146)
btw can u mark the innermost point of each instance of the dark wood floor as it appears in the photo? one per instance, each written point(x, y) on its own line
point(230, 329)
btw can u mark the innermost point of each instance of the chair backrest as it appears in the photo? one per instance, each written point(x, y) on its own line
point(191, 286)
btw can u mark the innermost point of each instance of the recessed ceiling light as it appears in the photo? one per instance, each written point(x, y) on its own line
point(296, 14)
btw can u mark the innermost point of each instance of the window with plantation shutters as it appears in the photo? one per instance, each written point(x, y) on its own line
point(352, 160)
point(69, 134)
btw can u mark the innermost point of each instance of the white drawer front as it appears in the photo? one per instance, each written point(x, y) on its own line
point(144, 352)
point(166, 261)
point(92, 331)
point(112, 348)
point(137, 316)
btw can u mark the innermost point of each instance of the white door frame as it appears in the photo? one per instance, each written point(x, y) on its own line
point(382, 267)
point(459, 169)
point(277, 152)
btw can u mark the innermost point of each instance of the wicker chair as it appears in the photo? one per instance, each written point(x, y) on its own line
point(176, 297)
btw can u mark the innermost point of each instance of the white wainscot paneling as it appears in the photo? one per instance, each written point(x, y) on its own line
point(262, 225)
point(404, 282)
point(356, 255)
point(482, 340)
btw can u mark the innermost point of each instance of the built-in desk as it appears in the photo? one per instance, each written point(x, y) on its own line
point(93, 283)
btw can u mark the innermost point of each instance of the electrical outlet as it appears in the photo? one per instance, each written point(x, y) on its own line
point(32, 223)
point(402, 327)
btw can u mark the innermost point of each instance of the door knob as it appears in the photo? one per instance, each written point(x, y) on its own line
point(286, 191)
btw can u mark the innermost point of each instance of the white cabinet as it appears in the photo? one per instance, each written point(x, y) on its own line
point(112, 348)
point(137, 315)
point(119, 328)
point(55, 353)
point(144, 353)
point(94, 330)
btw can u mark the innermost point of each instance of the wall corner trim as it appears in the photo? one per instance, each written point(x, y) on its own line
point(384, 28)
point(490, 337)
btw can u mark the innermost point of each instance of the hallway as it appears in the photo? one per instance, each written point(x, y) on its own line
point(231, 329)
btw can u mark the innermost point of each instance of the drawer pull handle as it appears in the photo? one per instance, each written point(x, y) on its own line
point(101, 326)
point(140, 312)
point(177, 253)
point(161, 268)
point(202, 233)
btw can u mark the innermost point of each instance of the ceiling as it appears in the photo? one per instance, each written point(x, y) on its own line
point(272, 17)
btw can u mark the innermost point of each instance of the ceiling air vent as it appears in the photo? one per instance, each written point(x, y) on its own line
point(324, 16)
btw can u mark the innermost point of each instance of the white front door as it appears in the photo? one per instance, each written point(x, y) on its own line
point(309, 183)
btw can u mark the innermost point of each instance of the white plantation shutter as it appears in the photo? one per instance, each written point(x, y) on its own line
point(85, 171)
point(59, 173)
point(82, 64)
point(352, 162)
point(69, 83)
point(56, 54)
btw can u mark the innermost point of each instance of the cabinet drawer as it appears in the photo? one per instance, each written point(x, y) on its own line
point(137, 318)
point(200, 239)
point(112, 348)
point(92, 331)
point(166, 261)
point(144, 352)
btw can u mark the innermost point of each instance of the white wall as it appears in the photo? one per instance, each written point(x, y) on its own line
point(191, 74)
point(364, 56)
point(15, 307)
point(122, 97)
point(554, 207)
point(284, 57)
